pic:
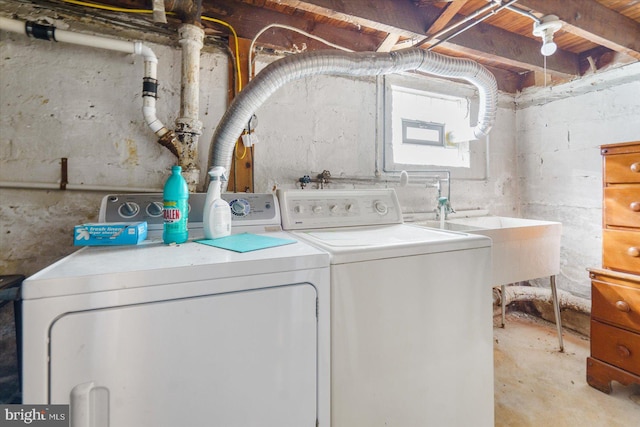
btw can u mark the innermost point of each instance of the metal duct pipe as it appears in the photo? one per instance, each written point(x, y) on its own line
point(295, 67)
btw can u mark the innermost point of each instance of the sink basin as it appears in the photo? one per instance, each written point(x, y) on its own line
point(523, 249)
point(448, 225)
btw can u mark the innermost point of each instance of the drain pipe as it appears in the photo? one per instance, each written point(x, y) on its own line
point(149, 85)
point(295, 67)
point(188, 125)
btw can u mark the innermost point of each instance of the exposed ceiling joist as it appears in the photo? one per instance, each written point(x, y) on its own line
point(448, 13)
point(596, 34)
point(493, 44)
point(398, 17)
point(593, 21)
point(249, 20)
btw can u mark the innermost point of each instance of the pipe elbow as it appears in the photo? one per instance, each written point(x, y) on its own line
point(146, 52)
point(169, 140)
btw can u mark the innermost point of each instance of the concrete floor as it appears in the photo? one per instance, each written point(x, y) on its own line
point(536, 385)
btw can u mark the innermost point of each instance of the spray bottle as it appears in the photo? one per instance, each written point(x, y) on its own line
point(217, 213)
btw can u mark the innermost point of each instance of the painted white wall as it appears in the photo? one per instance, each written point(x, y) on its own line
point(559, 166)
point(66, 101)
point(59, 100)
point(332, 123)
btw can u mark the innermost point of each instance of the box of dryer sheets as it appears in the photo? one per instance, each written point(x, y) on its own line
point(117, 233)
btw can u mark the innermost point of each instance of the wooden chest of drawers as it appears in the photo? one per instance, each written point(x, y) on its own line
point(615, 289)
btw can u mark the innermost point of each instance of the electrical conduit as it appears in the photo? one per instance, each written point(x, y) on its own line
point(296, 67)
point(150, 83)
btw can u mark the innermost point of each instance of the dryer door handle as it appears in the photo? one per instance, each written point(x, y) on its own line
point(89, 405)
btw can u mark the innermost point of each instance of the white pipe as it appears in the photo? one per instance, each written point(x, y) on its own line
point(295, 67)
point(51, 33)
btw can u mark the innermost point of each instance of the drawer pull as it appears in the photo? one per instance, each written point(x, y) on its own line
point(623, 306)
point(623, 351)
point(635, 206)
point(635, 167)
point(633, 251)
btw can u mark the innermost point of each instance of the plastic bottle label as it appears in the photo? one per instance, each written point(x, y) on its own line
point(171, 212)
point(175, 218)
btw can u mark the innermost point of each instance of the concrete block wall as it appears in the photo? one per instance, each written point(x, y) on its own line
point(84, 104)
point(559, 166)
point(543, 158)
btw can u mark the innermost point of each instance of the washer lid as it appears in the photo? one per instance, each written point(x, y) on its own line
point(355, 244)
point(97, 269)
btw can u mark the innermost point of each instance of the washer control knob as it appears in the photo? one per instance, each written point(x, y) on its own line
point(128, 209)
point(380, 207)
point(333, 208)
point(155, 209)
point(240, 207)
point(349, 207)
point(316, 209)
point(298, 209)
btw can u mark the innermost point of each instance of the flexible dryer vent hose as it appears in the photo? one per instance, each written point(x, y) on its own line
point(337, 63)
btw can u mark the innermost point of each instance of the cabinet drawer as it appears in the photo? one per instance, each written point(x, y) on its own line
point(622, 168)
point(615, 346)
point(622, 206)
point(621, 250)
point(616, 304)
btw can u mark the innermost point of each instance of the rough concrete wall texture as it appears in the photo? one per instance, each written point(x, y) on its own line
point(559, 166)
point(64, 101)
point(332, 123)
point(85, 105)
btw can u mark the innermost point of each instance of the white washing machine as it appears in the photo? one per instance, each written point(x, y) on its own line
point(182, 335)
point(411, 312)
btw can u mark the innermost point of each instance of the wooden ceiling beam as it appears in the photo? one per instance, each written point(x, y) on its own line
point(483, 41)
point(248, 20)
point(513, 50)
point(448, 13)
point(400, 17)
point(592, 21)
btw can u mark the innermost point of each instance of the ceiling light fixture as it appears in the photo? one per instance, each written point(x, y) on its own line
point(544, 29)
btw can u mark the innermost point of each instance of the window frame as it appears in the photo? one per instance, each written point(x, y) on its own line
point(478, 150)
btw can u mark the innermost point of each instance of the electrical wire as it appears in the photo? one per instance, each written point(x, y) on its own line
point(294, 29)
point(235, 37)
point(205, 18)
point(106, 7)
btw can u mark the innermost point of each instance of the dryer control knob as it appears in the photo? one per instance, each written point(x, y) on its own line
point(333, 208)
point(128, 209)
point(316, 209)
point(298, 209)
point(155, 209)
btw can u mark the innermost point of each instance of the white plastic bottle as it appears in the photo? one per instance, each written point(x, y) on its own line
point(217, 213)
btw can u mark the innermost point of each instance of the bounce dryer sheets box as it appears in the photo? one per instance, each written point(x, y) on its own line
point(117, 233)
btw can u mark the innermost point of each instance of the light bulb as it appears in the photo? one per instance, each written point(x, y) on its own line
point(548, 48)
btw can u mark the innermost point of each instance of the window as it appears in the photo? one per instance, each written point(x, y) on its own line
point(426, 133)
point(418, 113)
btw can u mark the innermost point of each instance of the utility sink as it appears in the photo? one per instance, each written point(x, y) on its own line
point(523, 249)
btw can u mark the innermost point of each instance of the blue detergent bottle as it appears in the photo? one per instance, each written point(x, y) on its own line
point(176, 208)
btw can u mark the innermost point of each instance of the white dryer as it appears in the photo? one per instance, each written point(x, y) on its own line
point(183, 335)
point(411, 312)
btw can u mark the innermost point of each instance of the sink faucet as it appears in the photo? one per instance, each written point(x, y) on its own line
point(444, 208)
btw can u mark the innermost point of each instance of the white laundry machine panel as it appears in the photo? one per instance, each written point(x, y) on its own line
point(192, 335)
point(411, 313)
